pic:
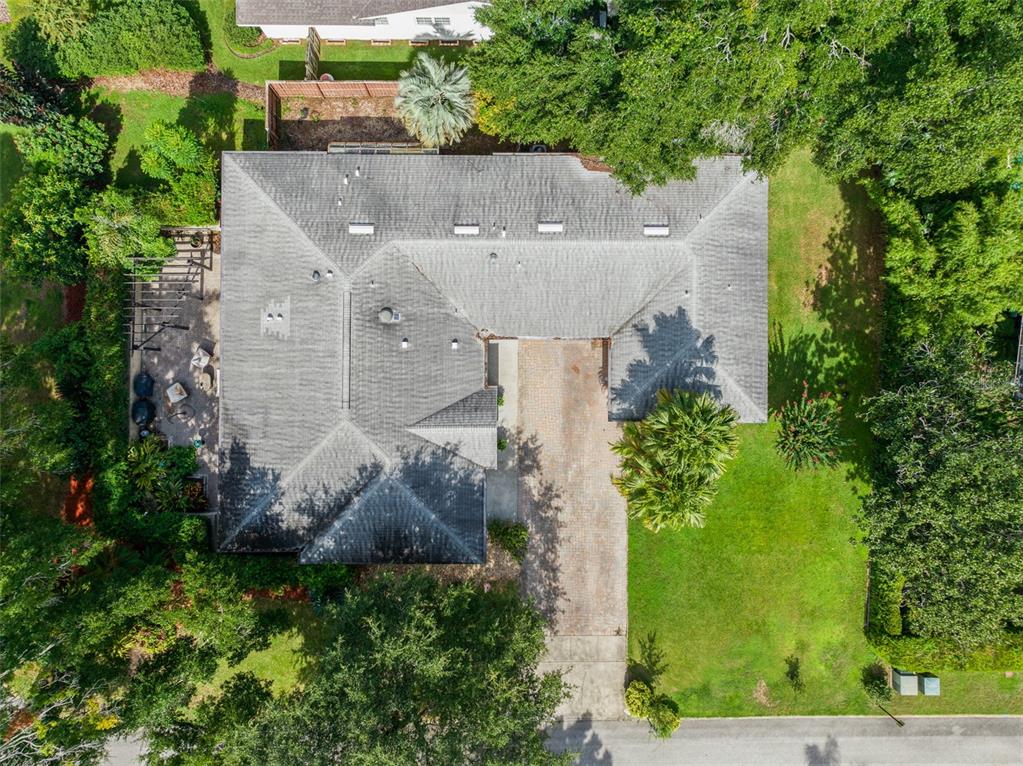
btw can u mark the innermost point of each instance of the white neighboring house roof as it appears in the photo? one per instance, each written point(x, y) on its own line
point(327, 12)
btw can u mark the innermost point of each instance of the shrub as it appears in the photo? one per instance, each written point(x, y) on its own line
point(62, 20)
point(40, 236)
point(502, 444)
point(809, 432)
point(174, 155)
point(434, 101)
point(639, 698)
point(29, 50)
point(118, 227)
point(509, 536)
point(75, 147)
point(26, 97)
point(244, 37)
point(134, 35)
point(875, 683)
point(671, 460)
point(886, 601)
point(663, 716)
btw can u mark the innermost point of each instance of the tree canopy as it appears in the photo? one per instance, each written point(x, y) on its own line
point(419, 672)
point(929, 91)
point(434, 100)
point(946, 514)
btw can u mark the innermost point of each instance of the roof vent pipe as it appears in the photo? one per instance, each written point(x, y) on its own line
point(388, 315)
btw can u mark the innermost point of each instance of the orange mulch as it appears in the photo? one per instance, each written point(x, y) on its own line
point(74, 302)
point(78, 503)
point(298, 593)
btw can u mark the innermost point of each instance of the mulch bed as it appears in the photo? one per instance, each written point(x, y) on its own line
point(175, 83)
point(74, 302)
point(78, 503)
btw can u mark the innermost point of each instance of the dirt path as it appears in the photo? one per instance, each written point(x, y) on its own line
point(175, 83)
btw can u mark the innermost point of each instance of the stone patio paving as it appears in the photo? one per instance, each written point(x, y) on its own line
point(167, 358)
point(576, 564)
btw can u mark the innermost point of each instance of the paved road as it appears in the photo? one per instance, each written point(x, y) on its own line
point(800, 741)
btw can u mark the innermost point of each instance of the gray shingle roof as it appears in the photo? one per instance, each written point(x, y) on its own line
point(305, 12)
point(352, 439)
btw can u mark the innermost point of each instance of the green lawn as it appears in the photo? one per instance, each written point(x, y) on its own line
point(220, 120)
point(285, 661)
point(353, 61)
point(778, 573)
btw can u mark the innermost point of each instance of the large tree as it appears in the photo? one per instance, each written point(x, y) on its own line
point(434, 100)
point(929, 91)
point(946, 514)
point(419, 672)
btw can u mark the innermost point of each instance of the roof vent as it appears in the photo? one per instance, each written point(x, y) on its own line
point(656, 230)
point(316, 276)
point(550, 227)
point(360, 228)
point(467, 229)
point(454, 344)
point(404, 343)
point(388, 316)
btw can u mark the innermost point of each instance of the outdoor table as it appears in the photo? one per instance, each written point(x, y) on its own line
point(176, 392)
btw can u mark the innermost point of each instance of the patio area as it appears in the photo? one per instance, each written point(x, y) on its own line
point(176, 343)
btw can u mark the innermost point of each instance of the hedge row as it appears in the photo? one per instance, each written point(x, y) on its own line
point(885, 633)
point(131, 36)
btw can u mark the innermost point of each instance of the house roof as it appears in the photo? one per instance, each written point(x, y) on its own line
point(350, 438)
point(306, 12)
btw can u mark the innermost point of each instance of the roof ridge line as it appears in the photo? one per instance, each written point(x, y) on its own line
point(685, 244)
point(426, 509)
point(267, 498)
point(459, 311)
point(723, 372)
point(367, 489)
point(294, 224)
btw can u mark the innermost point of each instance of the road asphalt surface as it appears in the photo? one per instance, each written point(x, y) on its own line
point(837, 741)
point(959, 741)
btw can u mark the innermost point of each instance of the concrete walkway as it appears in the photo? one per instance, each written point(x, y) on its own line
point(930, 741)
point(575, 567)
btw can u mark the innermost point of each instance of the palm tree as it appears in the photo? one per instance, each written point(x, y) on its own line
point(435, 101)
point(671, 459)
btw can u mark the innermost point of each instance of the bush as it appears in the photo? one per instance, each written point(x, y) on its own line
point(671, 460)
point(118, 227)
point(26, 97)
point(509, 536)
point(886, 601)
point(639, 697)
point(943, 654)
point(134, 35)
point(174, 155)
point(239, 37)
point(75, 147)
point(40, 236)
point(809, 432)
point(663, 716)
point(875, 683)
point(29, 50)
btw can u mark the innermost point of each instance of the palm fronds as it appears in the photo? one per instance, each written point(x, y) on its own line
point(671, 459)
point(434, 101)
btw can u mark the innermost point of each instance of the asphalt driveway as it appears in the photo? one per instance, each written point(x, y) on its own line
point(575, 567)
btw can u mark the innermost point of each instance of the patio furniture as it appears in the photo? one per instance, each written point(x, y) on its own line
point(176, 393)
point(200, 358)
point(206, 379)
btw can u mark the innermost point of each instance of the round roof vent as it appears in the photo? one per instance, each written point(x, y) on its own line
point(316, 276)
point(386, 315)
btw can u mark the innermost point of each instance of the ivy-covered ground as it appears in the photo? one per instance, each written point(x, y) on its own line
point(777, 577)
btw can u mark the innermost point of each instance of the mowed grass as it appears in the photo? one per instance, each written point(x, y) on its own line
point(221, 121)
point(286, 661)
point(355, 60)
point(777, 577)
